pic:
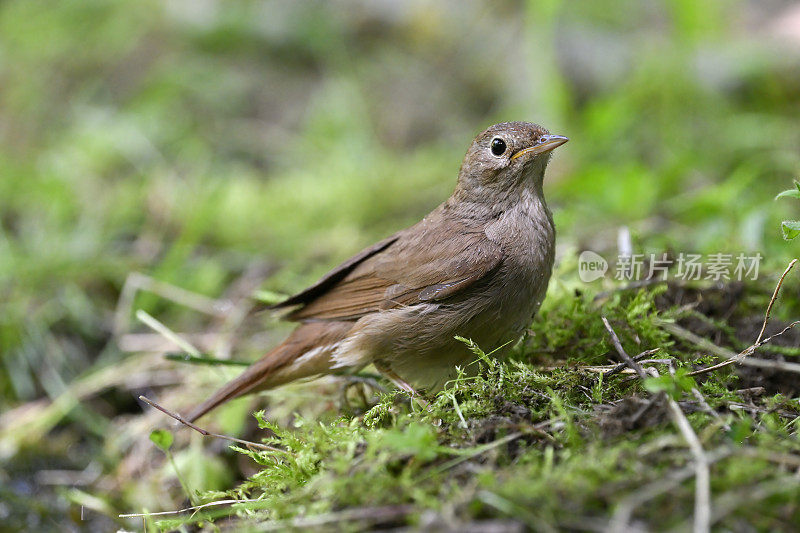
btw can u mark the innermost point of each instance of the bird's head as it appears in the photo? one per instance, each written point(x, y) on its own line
point(507, 156)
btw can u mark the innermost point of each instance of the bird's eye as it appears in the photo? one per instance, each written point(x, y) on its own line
point(498, 146)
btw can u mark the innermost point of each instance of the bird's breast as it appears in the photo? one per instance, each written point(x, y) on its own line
point(526, 236)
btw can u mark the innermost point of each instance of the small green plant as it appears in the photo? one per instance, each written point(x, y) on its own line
point(674, 385)
point(790, 228)
point(163, 440)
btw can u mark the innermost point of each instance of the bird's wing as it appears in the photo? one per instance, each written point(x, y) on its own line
point(336, 275)
point(432, 261)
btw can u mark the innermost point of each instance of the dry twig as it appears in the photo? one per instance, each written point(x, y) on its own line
point(719, 351)
point(621, 351)
point(194, 508)
point(759, 342)
point(620, 367)
point(702, 498)
point(206, 433)
point(702, 473)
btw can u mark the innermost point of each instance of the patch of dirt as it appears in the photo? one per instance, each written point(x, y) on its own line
point(629, 414)
point(717, 301)
point(773, 381)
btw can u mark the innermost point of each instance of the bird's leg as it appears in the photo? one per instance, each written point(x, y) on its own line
point(399, 382)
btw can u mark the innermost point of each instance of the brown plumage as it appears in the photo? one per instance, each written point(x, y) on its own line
point(477, 266)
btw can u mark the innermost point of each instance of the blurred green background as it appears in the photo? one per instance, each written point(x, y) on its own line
point(203, 142)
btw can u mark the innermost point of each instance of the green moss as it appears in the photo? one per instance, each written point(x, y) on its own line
point(207, 147)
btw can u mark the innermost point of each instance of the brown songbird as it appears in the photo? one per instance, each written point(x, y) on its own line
point(477, 266)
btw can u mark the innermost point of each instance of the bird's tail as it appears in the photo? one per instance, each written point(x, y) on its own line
point(307, 352)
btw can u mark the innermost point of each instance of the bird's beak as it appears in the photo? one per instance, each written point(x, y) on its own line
point(545, 144)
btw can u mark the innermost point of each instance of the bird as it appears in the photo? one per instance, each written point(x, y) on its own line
point(477, 266)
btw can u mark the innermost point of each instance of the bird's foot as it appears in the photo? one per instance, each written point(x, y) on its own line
point(401, 384)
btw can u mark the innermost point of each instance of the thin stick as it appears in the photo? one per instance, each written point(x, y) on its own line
point(187, 509)
point(758, 343)
point(206, 433)
point(622, 366)
point(772, 300)
point(702, 493)
point(740, 357)
point(771, 364)
point(781, 332)
point(702, 474)
point(622, 353)
point(725, 353)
